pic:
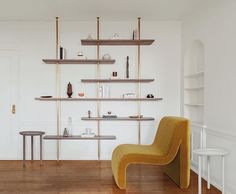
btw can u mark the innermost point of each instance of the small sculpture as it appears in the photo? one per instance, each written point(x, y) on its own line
point(127, 67)
point(69, 90)
point(65, 132)
point(89, 114)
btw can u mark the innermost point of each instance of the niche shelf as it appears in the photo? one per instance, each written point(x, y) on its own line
point(117, 119)
point(117, 80)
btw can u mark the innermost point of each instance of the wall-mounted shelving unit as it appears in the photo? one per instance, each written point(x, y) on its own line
point(194, 83)
point(98, 80)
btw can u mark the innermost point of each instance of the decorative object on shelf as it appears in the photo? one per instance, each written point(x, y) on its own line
point(150, 96)
point(81, 94)
point(109, 115)
point(135, 33)
point(106, 56)
point(129, 95)
point(62, 53)
point(89, 37)
point(115, 36)
point(114, 74)
point(88, 133)
point(70, 126)
point(127, 67)
point(66, 132)
point(69, 90)
point(104, 91)
point(136, 116)
point(81, 55)
point(89, 114)
point(46, 96)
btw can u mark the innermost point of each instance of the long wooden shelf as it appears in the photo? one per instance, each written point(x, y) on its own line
point(79, 137)
point(117, 80)
point(125, 42)
point(97, 99)
point(78, 61)
point(117, 119)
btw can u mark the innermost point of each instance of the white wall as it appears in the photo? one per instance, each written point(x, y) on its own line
point(214, 25)
point(36, 40)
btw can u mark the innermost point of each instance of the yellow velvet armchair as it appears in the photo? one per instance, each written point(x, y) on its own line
point(171, 148)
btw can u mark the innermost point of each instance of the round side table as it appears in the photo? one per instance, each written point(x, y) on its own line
point(210, 152)
point(32, 134)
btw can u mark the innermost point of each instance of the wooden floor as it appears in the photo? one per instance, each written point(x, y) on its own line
point(82, 177)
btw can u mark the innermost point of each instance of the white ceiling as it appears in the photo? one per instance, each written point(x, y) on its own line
point(84, 10)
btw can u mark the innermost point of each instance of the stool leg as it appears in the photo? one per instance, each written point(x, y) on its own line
point(223, 174)
point(208, 173)
point(41, 152)
point(32, 148)
point(199, 175)
point(24, 150)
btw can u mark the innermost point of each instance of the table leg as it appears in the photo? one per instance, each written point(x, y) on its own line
point(24, 150)
point(208, 173)
point(41, 152)
point(223, 174)
point(199, 175)
point(32, 148)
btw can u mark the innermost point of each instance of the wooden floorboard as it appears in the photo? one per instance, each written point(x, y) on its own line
point(87, 177)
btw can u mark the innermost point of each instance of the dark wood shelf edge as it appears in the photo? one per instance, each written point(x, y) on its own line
point(78, 61)
point(116, 80)
point(125, 42)
point(79, 137)
point(117, 119)
point(99, 99)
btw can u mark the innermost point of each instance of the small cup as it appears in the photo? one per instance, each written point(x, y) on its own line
point(88, 130)
point(114, 74)
point(106, 57)
point(81, 94)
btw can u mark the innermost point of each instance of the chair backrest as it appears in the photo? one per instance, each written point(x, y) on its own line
point(170, 133)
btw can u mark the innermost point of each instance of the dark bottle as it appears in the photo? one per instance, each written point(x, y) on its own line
point(69, 90)
point(127, 67)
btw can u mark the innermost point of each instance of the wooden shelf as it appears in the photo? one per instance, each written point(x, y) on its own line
point(78, 61)
point(79, 137)
point(197, 74)
point(125, 42)
point(117, 119)
point(98, 99)
point(117, 80)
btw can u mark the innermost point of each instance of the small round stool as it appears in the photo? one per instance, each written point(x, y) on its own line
point(208, 152)
point(32, 134)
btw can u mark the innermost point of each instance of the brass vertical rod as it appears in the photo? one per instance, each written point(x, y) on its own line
point(138, 84)
point(98, 85)
point(58, 88)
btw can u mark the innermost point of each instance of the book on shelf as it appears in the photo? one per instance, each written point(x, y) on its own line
point(109, 116)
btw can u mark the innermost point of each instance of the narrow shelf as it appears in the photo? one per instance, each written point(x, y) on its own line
point(197, 74)
point(78, 61)
point(79, 137)
point(98, 99)
point(117, 80)
point(195, 88)
point(117, 42)
point(117, 119)
point(193, 104)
